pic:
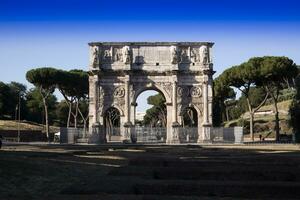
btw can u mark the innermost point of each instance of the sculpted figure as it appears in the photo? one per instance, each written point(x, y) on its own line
point(94, 56)
point(184, 56)
point(118, 55)
point(126, 55)
point(174, 55)
point(106, 55)
point(203, 54)
point(194, 55)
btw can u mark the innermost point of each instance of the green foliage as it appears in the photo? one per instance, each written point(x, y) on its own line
point(270, 73)
point(9, 100)
point(256, 95)
point(222, 93)
point(157, 113)
point(61, 114)
point(43, 78)
point(294, 111)
point(35, 107)
point(4, 99)
point(156, 100)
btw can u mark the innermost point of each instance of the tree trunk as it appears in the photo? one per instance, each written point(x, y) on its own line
point(251, 114)
point(69, 114)
point(274, 95)
point(76, 114)
point(84, 121)
point(275, 104)
point(251, 125)
point(46, 117)
point(69, 103)
point(277, 131)
point(227, 113)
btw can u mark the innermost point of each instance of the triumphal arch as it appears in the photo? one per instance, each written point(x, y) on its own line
point(120, 71)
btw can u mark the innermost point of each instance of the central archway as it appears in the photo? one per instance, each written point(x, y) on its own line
point(150, 120)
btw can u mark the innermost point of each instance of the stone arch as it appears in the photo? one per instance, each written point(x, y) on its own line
point(139, 66)
point(105, 108)
point(112, 123)
point(140, 89)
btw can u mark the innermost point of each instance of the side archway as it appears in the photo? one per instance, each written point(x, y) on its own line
point(112, 123)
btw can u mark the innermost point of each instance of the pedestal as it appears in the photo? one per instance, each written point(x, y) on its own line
point(127, 135)
point(97, 136)
point(206, 134)
point(175, 134)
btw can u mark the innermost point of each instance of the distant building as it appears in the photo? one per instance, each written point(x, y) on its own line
point(140, 116)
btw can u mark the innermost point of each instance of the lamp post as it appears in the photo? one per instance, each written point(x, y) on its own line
point(19, 113)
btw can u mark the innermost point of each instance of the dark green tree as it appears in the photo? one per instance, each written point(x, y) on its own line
point(66, 83)
point(221, 94)
point(81, 93)
point(294, 111)
point(277, 71)
point(157, 112)
point(35, 107)
point(45, 81)
point(256, 96)
point(4, 99)
point(243, 77)
point(61, 111)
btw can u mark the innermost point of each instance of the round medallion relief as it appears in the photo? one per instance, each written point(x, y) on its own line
point(182, 91)
point(196, 91)
point(119, 92)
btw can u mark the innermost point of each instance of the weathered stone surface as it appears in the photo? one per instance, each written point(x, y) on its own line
point(181, 71)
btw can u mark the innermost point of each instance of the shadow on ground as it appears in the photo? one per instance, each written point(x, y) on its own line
point(147, 172)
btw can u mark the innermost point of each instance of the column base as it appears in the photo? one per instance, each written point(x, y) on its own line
point(175, 134)
point(97, 136)
point(128, 136)
point(205, 134)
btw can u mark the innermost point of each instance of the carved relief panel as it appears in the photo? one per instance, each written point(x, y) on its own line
point(184, 54)
point(118, 54)
point(106, 55)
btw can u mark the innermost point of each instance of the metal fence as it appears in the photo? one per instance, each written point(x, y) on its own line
point(149, 134)
point(158, 135)
point(226, 135)
point(188, 134)
point(72, 135)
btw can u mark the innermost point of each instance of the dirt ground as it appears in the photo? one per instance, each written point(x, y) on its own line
point(43, 171)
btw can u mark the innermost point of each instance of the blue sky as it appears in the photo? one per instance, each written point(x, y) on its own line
point(55, 33)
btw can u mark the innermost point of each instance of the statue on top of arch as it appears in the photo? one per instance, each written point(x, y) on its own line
point(94, 56)
point(126, 55)
point(203, 50)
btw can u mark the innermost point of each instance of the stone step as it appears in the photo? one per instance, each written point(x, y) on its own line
point(82, 140)
point(245, 189)
point(195, 173)
point(206, 163)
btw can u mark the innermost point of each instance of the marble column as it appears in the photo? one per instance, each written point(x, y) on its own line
point(205, 103)
point(127, 101)
point(127, 124)
point(97, 133)
point(174, 105)
point(206, 126)
point(96, 96)
point(175, 125)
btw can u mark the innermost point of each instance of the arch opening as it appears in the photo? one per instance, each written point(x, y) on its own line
point(150, 116)
point(189, 129)
point(112, 122)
